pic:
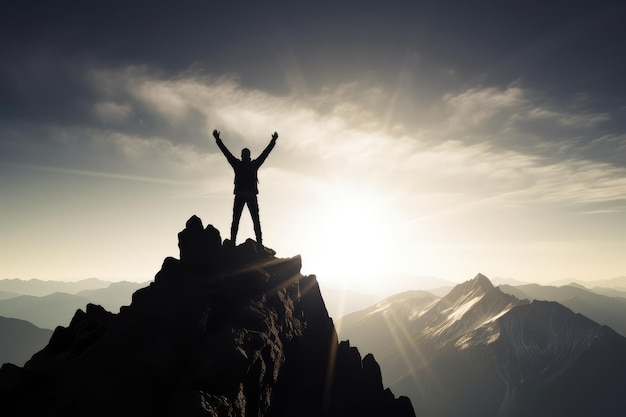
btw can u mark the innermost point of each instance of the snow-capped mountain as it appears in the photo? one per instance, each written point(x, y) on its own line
point(468, 306)
point(479, 351)
point(394, 327)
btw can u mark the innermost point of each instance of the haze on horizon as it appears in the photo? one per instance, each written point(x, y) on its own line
point(416, 138)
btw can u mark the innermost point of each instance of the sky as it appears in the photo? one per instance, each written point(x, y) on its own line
point(416, 138)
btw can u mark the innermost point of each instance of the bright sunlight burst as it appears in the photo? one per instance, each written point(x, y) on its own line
point(356, 233)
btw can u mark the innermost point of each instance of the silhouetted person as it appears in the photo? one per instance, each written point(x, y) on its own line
point(246, 181)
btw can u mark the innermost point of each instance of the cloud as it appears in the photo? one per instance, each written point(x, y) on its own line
point(103, 175)
point(477, 147)
point(526, 121)
point(111, 112)
point(566, 119)
point(508, 107)
point(477, 106)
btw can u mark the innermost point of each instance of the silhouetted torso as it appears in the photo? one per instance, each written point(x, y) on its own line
point(246, 177)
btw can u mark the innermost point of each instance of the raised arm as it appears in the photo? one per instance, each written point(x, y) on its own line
point(267, 150)
point(229, 156)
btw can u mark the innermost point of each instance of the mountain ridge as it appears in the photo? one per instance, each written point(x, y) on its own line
point(222, 331)
point(38, 287)
point(20, 339)
point(59, 307)
point(604, 309)
point(480, 351)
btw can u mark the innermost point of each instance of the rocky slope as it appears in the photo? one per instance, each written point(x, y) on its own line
point(222, 331)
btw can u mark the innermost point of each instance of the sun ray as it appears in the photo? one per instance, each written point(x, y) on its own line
point(102, 174)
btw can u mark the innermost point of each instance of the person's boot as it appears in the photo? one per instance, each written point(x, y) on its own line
point(233, 235)
point(259, 236)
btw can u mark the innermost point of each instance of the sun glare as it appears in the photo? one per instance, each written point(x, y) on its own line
point(355, 234)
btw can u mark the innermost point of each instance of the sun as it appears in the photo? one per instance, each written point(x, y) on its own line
point(360, 239)
point(355, 234)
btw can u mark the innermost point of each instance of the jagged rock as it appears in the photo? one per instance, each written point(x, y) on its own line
point(224, 331)
point(199, 247)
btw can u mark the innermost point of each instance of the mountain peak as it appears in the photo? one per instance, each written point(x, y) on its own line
point(482, 352)
point(465, 308)
point(224, 330)
point(475, 287)
point(481, 281)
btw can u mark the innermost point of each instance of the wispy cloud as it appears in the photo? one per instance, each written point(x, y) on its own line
point(600, 212)
point(478, 146)
point(111, 112)
point(111, 175)
point(477, 106)
point(519, 119)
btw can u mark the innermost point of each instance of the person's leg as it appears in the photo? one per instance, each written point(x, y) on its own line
point(253, 206)
point(237, 209)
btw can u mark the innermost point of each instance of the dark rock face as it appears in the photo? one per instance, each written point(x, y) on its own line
point(199, 247)
point(224, 331)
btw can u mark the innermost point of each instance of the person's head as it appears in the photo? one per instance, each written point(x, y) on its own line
point(245, 154)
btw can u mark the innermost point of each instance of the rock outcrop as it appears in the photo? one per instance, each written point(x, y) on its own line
point(222, 331)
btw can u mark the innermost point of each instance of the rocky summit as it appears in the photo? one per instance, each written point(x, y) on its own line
point(222, 331)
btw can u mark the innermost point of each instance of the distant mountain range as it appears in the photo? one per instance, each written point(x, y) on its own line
point(341, 301)
point(609, 292)
point(607, 310)
point(479, 351)
point(4, 295)
point(20, 340)
point(55, 309)
point(616, 283)
point(26, 321)
point(39, 288)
